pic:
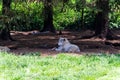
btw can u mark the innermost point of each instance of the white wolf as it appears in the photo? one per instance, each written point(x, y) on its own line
point(65, 46)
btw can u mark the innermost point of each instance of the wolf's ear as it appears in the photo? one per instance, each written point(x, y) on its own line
point(66, 39)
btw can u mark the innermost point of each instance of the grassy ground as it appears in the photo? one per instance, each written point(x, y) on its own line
point(59, 67)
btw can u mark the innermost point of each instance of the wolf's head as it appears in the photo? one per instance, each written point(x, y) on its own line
point(62, 41)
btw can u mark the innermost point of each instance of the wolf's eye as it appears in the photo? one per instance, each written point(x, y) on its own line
point(63, 39)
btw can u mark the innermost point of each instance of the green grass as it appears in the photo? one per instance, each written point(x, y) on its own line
point(60, 67)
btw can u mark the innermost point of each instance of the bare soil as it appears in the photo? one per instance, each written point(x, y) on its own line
point(27, 42)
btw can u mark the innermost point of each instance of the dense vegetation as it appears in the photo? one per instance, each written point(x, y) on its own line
point(59, 67)
point(52, 15)
point(28, 14)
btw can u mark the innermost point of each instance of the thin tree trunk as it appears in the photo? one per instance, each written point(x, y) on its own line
point(5, 32)
point(48, 17)
point(6, 6)
point(82, 18)
point(101, 19)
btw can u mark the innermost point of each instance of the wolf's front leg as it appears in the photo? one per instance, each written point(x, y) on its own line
point(59, 49)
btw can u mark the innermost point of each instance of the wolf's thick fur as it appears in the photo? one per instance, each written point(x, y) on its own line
point(66, 46)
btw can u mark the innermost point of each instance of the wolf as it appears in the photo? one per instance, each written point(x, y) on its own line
point(65, 46)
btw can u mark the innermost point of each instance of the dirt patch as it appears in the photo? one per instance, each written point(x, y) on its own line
point(44, 42)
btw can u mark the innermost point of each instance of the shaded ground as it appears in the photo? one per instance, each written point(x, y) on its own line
point(44, 42)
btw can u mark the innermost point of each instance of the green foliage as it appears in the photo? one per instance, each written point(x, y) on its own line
point(60, 67)
point(115, 14)
point(28, 14)
point(71, 16)
point(65, 18)
point(115, 20)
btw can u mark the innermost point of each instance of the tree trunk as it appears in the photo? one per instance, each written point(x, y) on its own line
point(6, 6)
point(48, 17)
point(101, 19)
point(82, 18)
point(5, 32)
point(101, 25)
